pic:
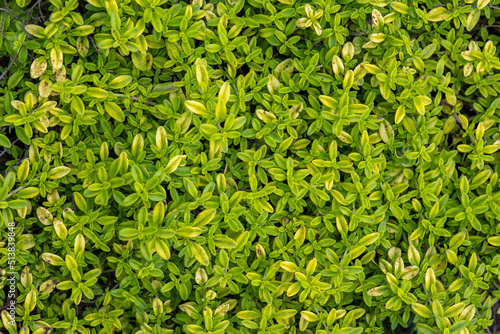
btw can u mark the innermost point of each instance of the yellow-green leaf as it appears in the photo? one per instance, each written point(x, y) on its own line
point(437, 14)
point(114, 111)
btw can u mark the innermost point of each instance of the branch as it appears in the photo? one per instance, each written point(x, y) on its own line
point(16, 10)
point(28, 14)
point(306, 40)
point(458, 119)
point(93, 43)
point(490, 26)
point(135, 98)
point(14, 165)
point(11, 14)
point(1, 26)
point(8, 67)
point(489, 6)
point(5, 151)
point(352, 33)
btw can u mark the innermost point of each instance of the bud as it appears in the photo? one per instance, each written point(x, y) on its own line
point(261, 253)
point(201, 276)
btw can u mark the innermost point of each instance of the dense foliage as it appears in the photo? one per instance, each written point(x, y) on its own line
point(250, 166)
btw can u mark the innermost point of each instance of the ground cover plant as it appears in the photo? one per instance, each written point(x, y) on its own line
point(249, 166)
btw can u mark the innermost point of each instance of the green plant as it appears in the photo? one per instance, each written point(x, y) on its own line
point(250, 166)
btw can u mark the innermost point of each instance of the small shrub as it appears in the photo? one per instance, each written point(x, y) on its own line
point(249, 166)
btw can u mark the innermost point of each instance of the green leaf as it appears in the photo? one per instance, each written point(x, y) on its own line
point(4, 141)
point(120, 82)
point(437, 14)
point(114, 111)
point(200, 254)
point(204, 218)
point(422, 310)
